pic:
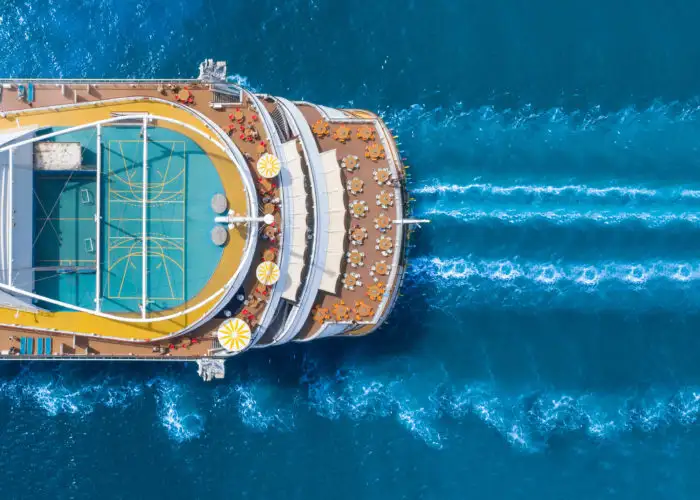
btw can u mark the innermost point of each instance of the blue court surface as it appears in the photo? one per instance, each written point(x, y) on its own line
point(180, 255)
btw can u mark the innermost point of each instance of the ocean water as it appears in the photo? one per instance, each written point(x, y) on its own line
point(547, 341)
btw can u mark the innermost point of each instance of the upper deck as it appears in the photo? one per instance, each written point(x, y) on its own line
point(332, 282)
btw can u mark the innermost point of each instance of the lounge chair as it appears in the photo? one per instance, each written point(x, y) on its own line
point(40, 346)
point(30, 346)
point(30, 92)
point(47, 346)
point(23, 345)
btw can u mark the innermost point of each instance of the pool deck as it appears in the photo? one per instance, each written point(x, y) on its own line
point(50, 95)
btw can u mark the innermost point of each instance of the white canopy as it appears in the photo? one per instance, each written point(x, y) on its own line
point(337, 228)
point(16, 216)
point(299, 212)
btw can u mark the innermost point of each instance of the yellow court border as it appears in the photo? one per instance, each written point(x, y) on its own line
point(84, 323)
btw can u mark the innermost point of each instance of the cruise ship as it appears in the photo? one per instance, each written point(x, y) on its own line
point(191, 220)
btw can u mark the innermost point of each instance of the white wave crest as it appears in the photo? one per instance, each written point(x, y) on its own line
point(461, 269)
point(352, 397)
point(436, 187)
point(54, 396)
point(181, 422)
point(563, 216)
point(529, 420)
point(492, 120)
point(256, 406)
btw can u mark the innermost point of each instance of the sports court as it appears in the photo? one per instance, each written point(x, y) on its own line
point(180, 255)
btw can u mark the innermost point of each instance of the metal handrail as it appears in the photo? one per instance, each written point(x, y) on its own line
point(305, 303)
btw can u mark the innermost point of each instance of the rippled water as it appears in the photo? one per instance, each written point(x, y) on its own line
point(546, 343)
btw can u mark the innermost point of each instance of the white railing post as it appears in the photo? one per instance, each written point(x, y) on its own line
point(10, 216)
point(144, 221)
point(98, 222)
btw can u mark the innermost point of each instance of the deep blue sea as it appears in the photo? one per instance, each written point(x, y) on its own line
point(547, 343)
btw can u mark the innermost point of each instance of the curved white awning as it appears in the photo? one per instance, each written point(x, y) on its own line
point(337, 228)
point(299, 200)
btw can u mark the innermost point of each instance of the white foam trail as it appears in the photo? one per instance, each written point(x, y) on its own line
point(353, 396)
point(539, 190)
point(588, 275)
point(562, 216)
point(254, 410)
point(243, 81)
point(181, 423)
point(528, 421)
point(51, 394)
point(492, 121)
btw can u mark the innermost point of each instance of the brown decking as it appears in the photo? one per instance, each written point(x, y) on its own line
point(51, 95)
point(355, 146)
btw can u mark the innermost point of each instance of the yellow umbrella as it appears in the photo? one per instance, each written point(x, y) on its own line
point(269, 165)
point(268, 273)
point(234, 335)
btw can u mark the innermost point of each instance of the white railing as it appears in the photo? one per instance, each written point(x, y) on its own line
point(301, 311)
point(144, 222)
point(98, 222)
point(10, 217)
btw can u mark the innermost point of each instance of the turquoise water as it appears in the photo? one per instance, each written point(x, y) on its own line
point(546, 342)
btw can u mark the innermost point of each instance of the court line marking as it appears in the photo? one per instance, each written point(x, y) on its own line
point(172, 246)
point(46, 214)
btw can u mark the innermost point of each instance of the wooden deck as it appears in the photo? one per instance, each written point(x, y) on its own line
point(371, 189)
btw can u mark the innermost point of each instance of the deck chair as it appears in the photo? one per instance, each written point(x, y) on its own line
point(23, 345)
point(30, 346)
point(30, 92)
point(40, 346)
point(47, 346)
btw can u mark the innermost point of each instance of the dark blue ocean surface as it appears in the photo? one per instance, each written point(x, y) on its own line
point(547, 343)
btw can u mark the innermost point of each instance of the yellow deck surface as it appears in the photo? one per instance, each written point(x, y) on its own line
point(85, 323)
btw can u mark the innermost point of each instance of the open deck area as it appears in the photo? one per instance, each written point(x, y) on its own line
point(184, 267)
point(181, 256)
point(374, 241)
point(146, 250)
